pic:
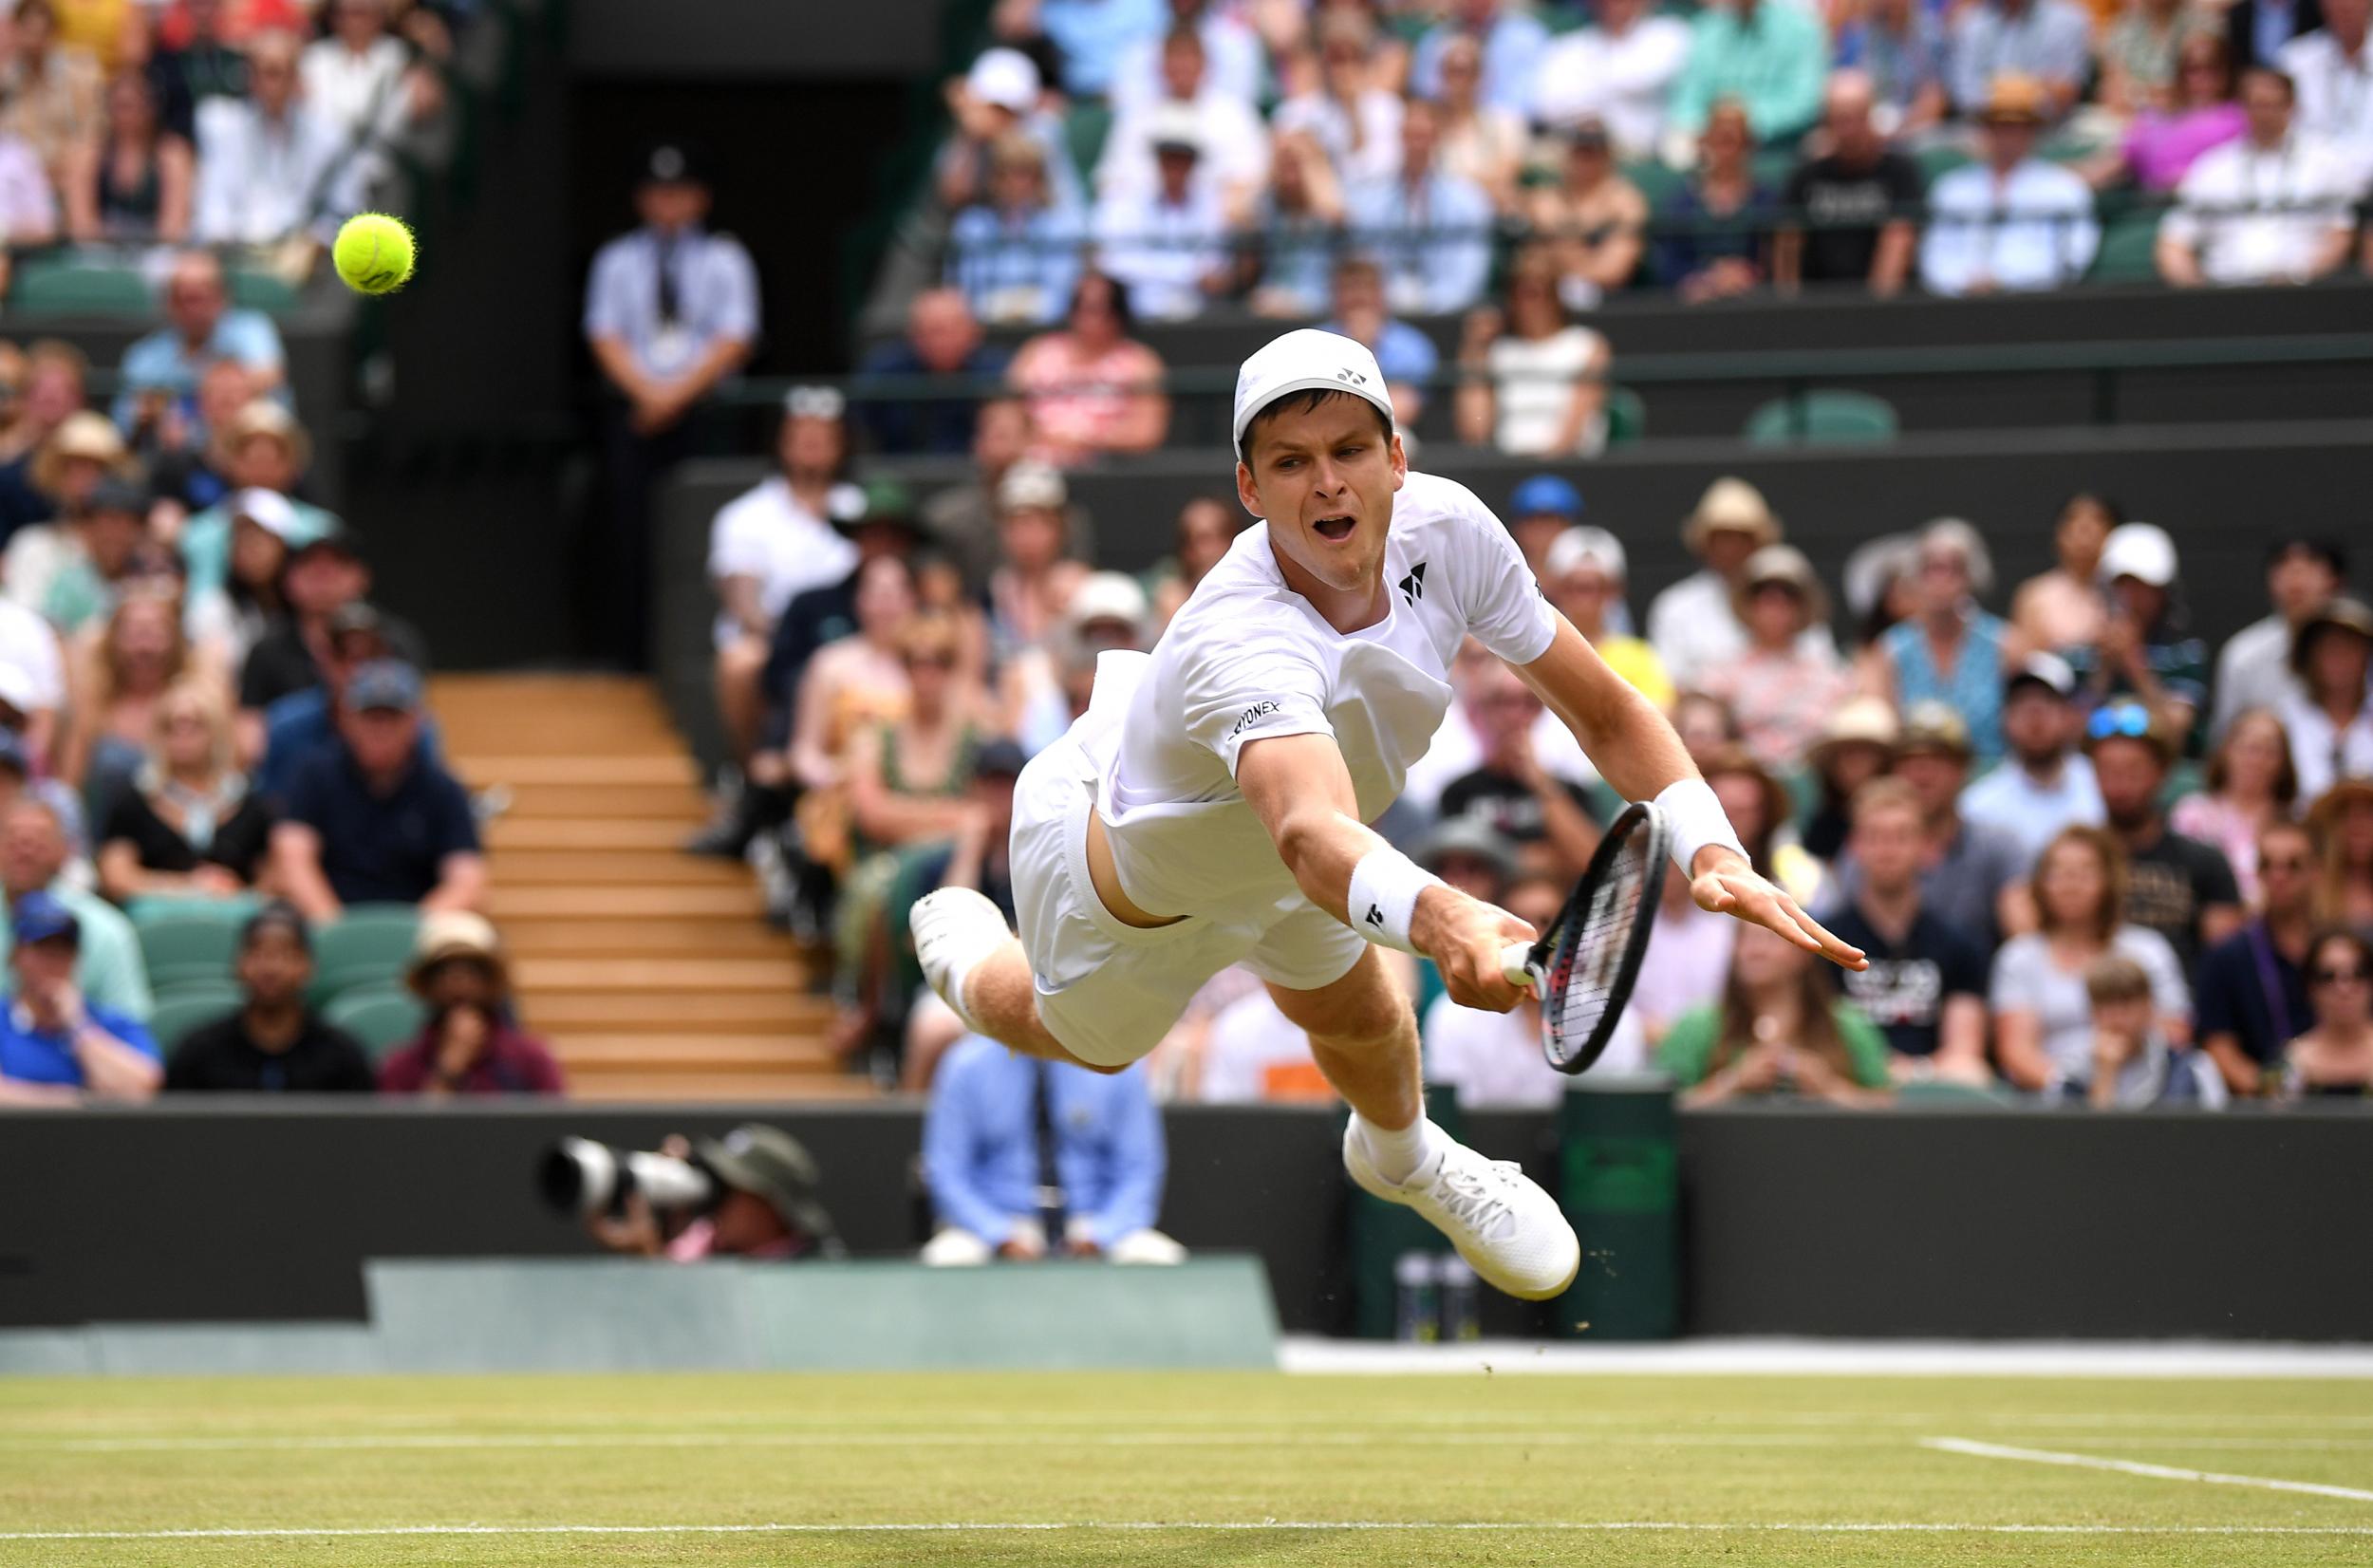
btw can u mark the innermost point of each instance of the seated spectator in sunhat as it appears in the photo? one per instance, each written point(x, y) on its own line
point(2012, 222)
point(1693, 623)
point(272, 1042)
point(2330, 716)
point(56, 1046)
point(1969, 865)
point(1781, 695)
point(269, 450)
point(471, 1042)
point(1856, 745)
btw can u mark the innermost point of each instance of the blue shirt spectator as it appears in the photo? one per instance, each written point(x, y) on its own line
point(1430, 233)
point(671, 297)
point(302, 725)
point(1903, 61)
point(202, 327)
point(1016, 268)
point(2050, 41)
point(51, 1038)
point(1403, 353)
point(1094, 34)
point(1771, 55)
point(981, 1149)
point(1513, 42)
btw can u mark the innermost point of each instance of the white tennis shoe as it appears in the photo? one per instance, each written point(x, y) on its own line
point(954, 930)
point(1510, 1232)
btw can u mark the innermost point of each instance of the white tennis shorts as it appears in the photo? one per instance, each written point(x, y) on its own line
point(1110, 991)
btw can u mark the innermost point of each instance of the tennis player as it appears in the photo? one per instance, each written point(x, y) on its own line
point(1211, 806)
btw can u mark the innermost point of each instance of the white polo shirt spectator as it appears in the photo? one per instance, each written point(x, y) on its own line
point(1231, 50)
point(1234, 143)
point(2276, 209)
point(269, 165)
point(1621, 69)
point(765, 533)
point(2335, 83)
point(1167, 240)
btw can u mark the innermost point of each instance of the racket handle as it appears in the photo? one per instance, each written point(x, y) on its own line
point(1516, 965)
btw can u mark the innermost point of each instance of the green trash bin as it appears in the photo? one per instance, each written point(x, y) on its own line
point(1382, 1234)
point(1618, 1167)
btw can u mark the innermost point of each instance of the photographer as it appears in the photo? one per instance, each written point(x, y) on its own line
point(767, 1211)
point(472, 1044)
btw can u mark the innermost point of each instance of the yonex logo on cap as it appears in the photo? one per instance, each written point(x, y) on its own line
point(1351, 376)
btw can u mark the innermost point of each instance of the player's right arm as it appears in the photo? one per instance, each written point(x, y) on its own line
point(1298, 787)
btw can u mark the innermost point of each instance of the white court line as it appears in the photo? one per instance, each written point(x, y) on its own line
point(1615, 1526)
point(2131, 1466)
point(1098, 1437)
point(1724, 1355)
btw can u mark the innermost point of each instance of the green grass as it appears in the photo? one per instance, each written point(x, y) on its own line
point(1729, 1458)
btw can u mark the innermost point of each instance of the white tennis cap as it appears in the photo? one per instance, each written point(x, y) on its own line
point(1308, 361)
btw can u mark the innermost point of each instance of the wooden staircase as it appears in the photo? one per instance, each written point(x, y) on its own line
point(652, 972)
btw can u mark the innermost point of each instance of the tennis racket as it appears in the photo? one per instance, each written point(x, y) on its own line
point(1583, 965)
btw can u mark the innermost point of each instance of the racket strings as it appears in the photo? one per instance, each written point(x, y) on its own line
point(1590, 957)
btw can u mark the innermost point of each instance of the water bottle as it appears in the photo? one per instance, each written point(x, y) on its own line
point(1417, 1317)
point(1461, 1309)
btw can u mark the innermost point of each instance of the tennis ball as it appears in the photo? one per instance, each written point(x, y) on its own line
point(374, 253)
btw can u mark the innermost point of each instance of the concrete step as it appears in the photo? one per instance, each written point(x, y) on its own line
point(623, 900)
point(680, 803)
point(668, 1014)
point(689, 976)
point(737, 936)
point(598, 867)
point(755, 1089)
point(481, 768)
point(512, 832)
point(595, 1052)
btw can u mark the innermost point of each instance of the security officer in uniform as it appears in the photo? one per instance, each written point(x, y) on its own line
point(670, 310)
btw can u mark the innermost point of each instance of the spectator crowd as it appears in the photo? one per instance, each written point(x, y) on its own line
point(1196, 151)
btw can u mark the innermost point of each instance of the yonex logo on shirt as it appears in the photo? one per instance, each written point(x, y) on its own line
point(1258, 711)
point(1413, 586)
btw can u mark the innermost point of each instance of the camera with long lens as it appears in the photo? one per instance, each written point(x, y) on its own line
point(581, 1177)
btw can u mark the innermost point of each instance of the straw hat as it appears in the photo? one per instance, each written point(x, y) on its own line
point(1734, 759)
point(457, 934)
point(1858, 720)
point(1784, 564)
point(2012, 98)
point(268, 419)
point(81, 435)
point(1730, 503)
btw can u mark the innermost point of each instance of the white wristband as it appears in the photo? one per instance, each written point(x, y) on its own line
point(1698, 820)
point(1383, 896)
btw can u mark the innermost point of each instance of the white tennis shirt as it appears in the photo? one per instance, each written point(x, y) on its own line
point(1249, 659)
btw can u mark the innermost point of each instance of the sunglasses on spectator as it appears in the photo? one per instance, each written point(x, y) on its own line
point(815, 402)
point(2288, 863)
point(2356, 976)
point(2126, 719)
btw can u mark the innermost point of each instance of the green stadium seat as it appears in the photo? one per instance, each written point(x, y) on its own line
point(263, 291)
point(189, 942)
point(1822, 416)
point(382, 1017)
point(1938, 162)
point(178, 1012)
point(1085, 126)
point(1627, 416)
point(65, 288)
point(2129, 252)
point(1657, 182)
point(1954, 1096)
point(366, 947)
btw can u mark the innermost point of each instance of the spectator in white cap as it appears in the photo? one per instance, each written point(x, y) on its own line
point(1585, 576)
point(1036, 577)
point(1168, 242)
point(2044, 782)
point(2148, 651)
point(1693, 624)
point(1234, 143)
point(1000, 98)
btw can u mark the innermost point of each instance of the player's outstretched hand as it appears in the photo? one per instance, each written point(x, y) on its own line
point(1736, 889)
point(1464, 937)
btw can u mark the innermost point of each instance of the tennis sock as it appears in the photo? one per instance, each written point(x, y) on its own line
point(1398, 1156)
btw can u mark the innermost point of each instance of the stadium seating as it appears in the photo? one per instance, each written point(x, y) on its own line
point(184, 1007)
point(368, 945)
point(379, 1017)
point(191, 942)
point(1824, 416)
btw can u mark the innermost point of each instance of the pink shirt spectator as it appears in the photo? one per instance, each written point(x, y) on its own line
point(1782, 699)
point(2162, 147)
point(1084, 402)
point(28, 209)
point(2216, 822)
point(699, 1239)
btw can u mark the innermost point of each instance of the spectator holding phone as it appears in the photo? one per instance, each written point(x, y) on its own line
point(470, 1043)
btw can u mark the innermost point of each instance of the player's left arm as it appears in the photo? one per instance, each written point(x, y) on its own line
point(1641, 756)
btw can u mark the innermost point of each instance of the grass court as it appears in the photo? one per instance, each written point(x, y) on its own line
point(1116, 1470)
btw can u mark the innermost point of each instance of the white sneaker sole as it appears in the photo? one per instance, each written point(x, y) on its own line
point(1490, 1270)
